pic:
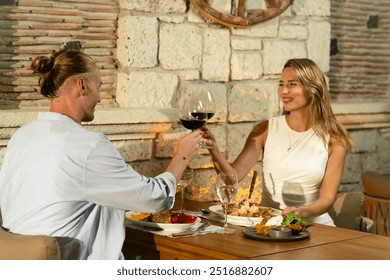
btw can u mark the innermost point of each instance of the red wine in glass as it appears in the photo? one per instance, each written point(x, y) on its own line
point(210, 115)
point(192, 114)
point(206, 98)
point(192, 123)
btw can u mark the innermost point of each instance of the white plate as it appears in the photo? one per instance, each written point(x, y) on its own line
point(238, 220)
point(170, 227)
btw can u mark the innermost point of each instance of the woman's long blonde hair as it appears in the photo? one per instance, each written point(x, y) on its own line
point(322, 119)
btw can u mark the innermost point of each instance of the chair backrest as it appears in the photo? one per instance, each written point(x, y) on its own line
point(375, 184)
point(377, 200)
point(346, 212)
point(28, 247)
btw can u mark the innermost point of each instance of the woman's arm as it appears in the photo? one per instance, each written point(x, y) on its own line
point(330, 184)
point(247, 158)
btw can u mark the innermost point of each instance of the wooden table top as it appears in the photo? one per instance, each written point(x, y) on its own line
point(373, 247)
point(325, 242)
point(236, 246)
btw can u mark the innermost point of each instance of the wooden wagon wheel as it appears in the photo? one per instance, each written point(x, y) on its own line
point(240, 16)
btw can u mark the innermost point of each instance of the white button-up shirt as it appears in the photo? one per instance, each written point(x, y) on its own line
point(59, 179)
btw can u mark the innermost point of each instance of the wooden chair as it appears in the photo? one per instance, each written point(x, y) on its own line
point(347, 212)
point(377, 200)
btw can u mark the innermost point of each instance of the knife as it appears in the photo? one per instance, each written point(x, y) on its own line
point(254, 177)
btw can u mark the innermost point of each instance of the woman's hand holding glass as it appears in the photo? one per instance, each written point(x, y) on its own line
point(208, 138)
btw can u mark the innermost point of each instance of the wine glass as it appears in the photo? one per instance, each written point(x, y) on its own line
point(226, 187)
point(207, 99)
point(185, 179)
point(192, 114)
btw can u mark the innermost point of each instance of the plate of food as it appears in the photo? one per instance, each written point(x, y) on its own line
point(250, 232)
point(291, 228)
point(245, 213)
point(165, 220)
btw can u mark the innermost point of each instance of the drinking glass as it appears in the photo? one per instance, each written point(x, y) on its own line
point(226, 188)
point(192, 114)
point(207, 99)
point(185, 179)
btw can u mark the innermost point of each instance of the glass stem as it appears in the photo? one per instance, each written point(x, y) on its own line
point(225, 225)
point(183, 193)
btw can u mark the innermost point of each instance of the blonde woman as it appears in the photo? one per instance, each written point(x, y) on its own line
point(303, 150)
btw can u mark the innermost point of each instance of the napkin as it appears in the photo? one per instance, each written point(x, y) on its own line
point(163, 232)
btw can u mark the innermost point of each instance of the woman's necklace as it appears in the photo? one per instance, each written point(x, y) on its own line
point(293, 139)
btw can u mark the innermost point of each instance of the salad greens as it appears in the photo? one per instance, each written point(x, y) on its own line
point(293, 218)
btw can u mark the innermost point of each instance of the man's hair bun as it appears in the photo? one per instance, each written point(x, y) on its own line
point(42, 64)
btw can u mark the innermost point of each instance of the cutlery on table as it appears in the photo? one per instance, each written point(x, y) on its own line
point(204, 211)
point(190, 232)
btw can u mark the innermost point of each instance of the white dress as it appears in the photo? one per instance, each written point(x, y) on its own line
point(293, 167)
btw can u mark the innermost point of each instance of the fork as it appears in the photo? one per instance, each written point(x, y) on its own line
point(190, 232)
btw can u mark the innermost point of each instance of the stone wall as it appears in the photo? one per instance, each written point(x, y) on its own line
point(165, 51)
point(360, 60)
point(168, 51)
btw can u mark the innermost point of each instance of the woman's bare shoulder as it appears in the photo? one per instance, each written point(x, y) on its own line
point(336, 146)
point(260, 128)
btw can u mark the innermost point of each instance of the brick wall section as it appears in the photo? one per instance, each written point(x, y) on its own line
point(360, 66)
point(30, 28)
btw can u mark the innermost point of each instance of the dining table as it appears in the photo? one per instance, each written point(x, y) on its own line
point(322, 243)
